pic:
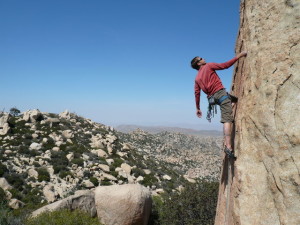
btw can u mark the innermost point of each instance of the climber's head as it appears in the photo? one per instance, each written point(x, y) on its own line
point(197, 62)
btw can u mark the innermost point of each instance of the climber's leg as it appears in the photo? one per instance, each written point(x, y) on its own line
point(227, 134)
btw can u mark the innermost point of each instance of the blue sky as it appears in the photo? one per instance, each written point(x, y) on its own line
point(115, 62)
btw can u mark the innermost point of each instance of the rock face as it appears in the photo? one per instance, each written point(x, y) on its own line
point(128, 204)
point(262, 185)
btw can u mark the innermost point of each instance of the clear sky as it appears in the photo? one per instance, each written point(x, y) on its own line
point(115, 62)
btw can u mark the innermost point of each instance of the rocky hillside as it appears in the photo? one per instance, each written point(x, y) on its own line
point(46, 157)
point(194, 156)
point(262, 185)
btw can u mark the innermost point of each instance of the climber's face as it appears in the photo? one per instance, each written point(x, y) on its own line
point(201, 61)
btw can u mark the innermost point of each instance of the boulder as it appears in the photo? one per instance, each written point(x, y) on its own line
point(35, 146)
point(96, 142)
point(15, 203)
point(4, 125)
point(100, 153)
point(70, 156)
point(66, 115)
point(88, 184)
point(128, 204)
point(49, 194)
point(33, 173)
point(110, 161)
point(126, 168)
point(126, 147)
point(109, 177)
point(4, 184)
point(167, 177)
point(68, 134)
point(82, 200)
point(32, 116)
point(111, 138)
point(4, 117)
point(104, 167)
point(4, 129)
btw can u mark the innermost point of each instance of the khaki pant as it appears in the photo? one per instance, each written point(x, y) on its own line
point(226, 108)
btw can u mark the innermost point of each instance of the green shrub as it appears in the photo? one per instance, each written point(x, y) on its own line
point(149, 180)
point(196, 204)
point(105, 182)
point(3, 169)
point(16, 180)
point(7, 217)
point(87, 174)
point(32, 179)
point(14, 111)
point(24, 150)
point(138, 172)
point(36, 164)
point(33, 153)
point(94, 180)
point(16, 194)
point(43, 175)
point(78, 161)
point(2, 195)
point(63, 174)
point(33, 197)
point(59, 161)
point(117, 162)
point(114, 173)
point(63, 217)
point(59, 168)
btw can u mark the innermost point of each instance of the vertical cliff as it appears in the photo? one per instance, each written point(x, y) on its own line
point(263, 185)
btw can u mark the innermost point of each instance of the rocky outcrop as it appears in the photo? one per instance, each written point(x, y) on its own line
point(82, 200)
point(4, 125)
point(128, 204)
point(262, 185)
point(32, 115)
point(4, 184)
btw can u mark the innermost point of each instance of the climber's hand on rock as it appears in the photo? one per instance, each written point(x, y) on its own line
point(242, 54)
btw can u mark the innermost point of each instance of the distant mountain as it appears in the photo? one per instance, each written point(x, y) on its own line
point(158, 129)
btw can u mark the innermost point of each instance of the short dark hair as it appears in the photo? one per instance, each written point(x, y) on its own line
point(194, 62)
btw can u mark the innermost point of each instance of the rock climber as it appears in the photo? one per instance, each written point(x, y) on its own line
point(209, 82)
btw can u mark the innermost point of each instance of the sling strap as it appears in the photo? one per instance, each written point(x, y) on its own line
point(222, 99)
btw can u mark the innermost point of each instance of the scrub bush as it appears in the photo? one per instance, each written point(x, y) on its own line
point(94, 180)
point(63, 217)
point(43, 175)
point(77, 161)
point(195, 205)
point(3, 169)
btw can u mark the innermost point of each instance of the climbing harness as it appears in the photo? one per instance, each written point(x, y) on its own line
point(212, 105)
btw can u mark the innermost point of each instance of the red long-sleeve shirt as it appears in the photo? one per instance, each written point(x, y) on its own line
point(208, 80)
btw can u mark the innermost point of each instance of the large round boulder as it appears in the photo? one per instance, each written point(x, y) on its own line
point(128, 204)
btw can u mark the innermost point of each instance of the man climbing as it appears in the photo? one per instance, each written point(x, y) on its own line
point(209, 82)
